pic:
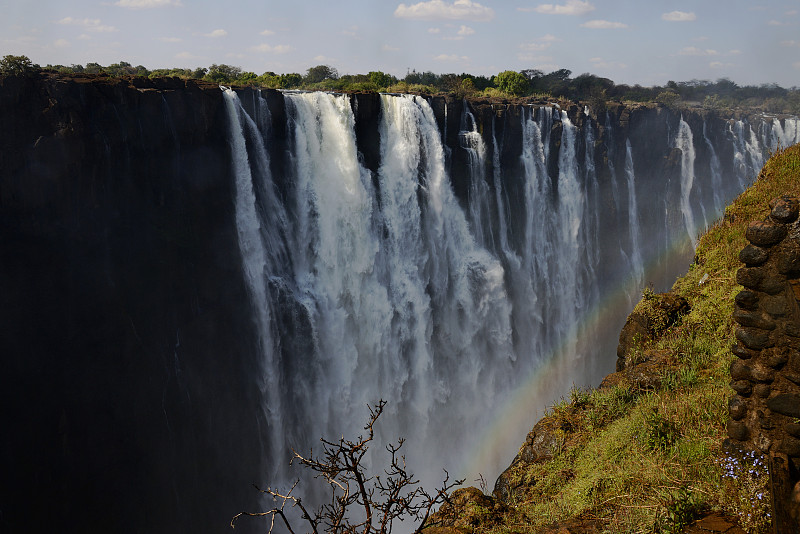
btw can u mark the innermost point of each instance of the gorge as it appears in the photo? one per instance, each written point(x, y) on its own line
point(196, 279)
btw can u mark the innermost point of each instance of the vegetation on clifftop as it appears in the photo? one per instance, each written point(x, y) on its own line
point(722, 93)
point(646, 454)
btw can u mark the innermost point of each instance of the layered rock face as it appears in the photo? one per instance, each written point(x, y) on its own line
point(133, 381)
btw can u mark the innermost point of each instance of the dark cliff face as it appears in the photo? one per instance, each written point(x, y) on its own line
point(125, 347)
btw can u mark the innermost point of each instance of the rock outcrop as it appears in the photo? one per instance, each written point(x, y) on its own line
point(765, 409)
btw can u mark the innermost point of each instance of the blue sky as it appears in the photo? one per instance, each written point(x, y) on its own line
point(646, 41)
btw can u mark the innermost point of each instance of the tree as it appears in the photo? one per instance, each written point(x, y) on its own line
point(223, 73)
point(381, 79)
point(287, 81)
point(319, 73)
point(511, 82)
point(358, 502)
point(17, 65)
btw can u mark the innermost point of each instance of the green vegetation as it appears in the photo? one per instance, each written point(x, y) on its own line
point(636, 459)
point(17, 66)
point(528, 83)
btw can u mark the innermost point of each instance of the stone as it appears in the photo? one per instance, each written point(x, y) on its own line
point(792, 377)
point(762, 391)
point(740, 371)
point(790, 445)
point(785, 404)
point(775, 306)
point(753, 339)
point(753, 319)
point(747, 299)
point(773, 285)
point(738, 430)
point(792, 329)
point(750, 277)
point(737, 407)
point(762, 374)
point(784, 209)
point(789, 258)
point(775, 357)
point(793, 429)
point(743, 352)
point(765, 233)
point(742, 387)
point(752, 255)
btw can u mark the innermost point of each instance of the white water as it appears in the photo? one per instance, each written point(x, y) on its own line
point(386, 287)
point(685, 143)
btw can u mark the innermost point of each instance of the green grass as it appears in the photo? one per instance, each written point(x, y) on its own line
point(649, 461)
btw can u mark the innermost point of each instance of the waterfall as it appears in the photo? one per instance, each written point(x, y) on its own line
point(637, 266)
point(380, 282)
point(685, 144)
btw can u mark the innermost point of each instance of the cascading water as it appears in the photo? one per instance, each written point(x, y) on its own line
point(467, 314)
point(685, 144)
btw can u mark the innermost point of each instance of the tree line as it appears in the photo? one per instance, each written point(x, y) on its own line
point(722, 93)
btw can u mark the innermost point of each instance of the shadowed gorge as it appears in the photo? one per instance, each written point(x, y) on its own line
point(195, 279)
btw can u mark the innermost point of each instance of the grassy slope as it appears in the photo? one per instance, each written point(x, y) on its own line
point(647, 461)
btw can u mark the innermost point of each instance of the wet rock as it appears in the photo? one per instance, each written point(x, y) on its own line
point(750, 276)
point(738, 430)
point(765, 233)
point(753, 339)
point(747, 299)
point(753, 319)
point(784, 209)
point(743, 352)
point(737, 407)
point(741, 371)
point(742, 387)
point(786, 404)
point(775, 306)
point(752, 255)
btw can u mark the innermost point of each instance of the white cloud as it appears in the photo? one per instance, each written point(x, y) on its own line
point(324, 59)
point(267, 33)
point(352, 31)
point(572, 7)
point(790, 43)
point(533, 58)
point(61, 43)
point(535, 47)
point(694, 51)
point(84, 37)
point(269, 49)
point(777, 23)
point(734, 52)
point(548, 38)
point(147, 4)
point(434, 30)
point(92, 25)
point(215, 34)
point(440, 10)
point(170, 39)
point(604, 25)
point(388, 48)
point(465, 30)
point(792, 12)
point(450, 57)
point(719, 65)
point(679, 16)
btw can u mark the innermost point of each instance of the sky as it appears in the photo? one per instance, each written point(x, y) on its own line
point(648, 42)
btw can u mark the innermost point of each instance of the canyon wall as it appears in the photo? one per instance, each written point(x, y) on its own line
point(194, 280)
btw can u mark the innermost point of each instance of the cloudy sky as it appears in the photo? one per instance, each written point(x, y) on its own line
point(645, 41)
